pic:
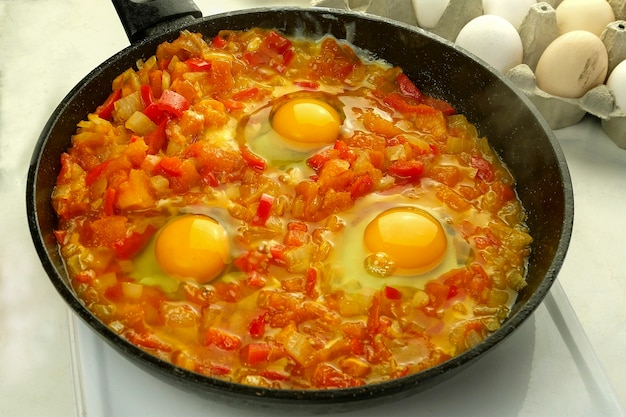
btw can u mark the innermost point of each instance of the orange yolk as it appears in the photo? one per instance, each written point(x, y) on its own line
point(410, 237)
point(192, 246)
point(307, 122)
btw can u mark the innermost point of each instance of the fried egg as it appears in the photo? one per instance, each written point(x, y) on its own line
point(195, 245)
point(398, 240)
point(293, 127)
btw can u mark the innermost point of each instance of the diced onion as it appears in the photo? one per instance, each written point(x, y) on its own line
point(140, 124)
point(132, 290)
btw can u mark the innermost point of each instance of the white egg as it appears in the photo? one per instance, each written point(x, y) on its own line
point(493, 39)
point(617, 85)
point(512, 10)
point(589, 15)
point(429, 12)
point(572, 64)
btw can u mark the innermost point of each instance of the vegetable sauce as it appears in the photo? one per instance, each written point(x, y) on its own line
point(284, 212)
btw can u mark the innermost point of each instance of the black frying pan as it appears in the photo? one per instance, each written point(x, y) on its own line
point(505, 116)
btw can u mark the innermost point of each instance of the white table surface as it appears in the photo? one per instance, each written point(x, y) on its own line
point(47, 46)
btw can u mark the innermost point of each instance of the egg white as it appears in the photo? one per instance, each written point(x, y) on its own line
point(350, 249)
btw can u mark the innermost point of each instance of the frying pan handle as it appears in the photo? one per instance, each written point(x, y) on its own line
point(144, 18)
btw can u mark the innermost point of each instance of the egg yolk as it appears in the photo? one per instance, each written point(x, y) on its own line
point(192, 246)
point(411, 237)
point(307, 122)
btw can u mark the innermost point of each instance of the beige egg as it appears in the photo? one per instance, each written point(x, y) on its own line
point(589, 15)
point(572, 64)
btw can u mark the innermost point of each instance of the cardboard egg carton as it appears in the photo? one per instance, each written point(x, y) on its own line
point(537, 31)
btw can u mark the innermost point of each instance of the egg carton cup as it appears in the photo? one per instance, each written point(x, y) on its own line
point(537, 30)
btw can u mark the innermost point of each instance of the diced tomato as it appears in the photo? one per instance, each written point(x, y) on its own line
point(275, 375)
point(438, 293)
point(326, 376)
point(277, 253)
point(411, 170)
point(311, 282)
point(257, 326)
point(363, 185)
point(255, 353)
point(255, 279)
point(156, 82)
point(229, 292)
point(171, 165)
point(221, 339)
point(252, 261)
point(60, 236)
point(109, 201)
point(253, 160)
point(309, 85)
point(295, 238)
point(130, 246)
point(263, 211)
point(198, 294)
point(344, 151)
point(147, 340)
point(105, 111)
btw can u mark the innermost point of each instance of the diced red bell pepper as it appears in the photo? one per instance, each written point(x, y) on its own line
point(157, 139)
point(253, 160)
point(392, 293)
point(130, 246)
point(263, 211)
point(105, 111)
point(173, 102)
point(277, 42)
point(407, 87)
point(246, 94)
point(146, 95)
point(218, 42)
point(198, 65)
point(318, 160)
point(484, 168)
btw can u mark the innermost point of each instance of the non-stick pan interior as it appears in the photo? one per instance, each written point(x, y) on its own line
point(501, 114)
